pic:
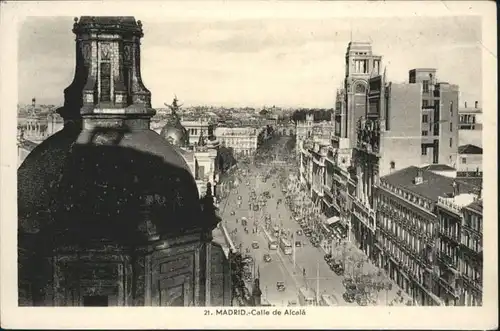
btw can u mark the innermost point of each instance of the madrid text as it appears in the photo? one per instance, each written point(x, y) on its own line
point(260, 312)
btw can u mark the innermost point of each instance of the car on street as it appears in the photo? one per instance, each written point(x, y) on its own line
point(298, 244)
point(274, 185)
point(267, 258)
point(247, 260)
point(338, 268)
point(349, 297)
point(232, 213)
point(255, 245)
point(239, 197)
point(299, 232)
point(280, 286)
point(308, 233)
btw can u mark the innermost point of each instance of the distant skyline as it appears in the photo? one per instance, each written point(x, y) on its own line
point(260, 62)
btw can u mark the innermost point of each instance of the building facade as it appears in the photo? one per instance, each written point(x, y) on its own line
point(243, 140)
point(408, 235)
point(470, 263)
point(439, 116)
point(469, 160)
point(196, 128)
point(450, 215)
point(470, 125)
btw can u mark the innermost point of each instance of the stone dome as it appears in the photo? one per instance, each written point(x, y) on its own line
point(123, 184)
point(177, 136)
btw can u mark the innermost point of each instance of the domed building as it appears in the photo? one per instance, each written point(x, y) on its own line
point(200, 157)
point(109, 212)
point(174, 132)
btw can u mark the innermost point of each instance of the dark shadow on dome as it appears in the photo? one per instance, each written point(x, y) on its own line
point(104, 191)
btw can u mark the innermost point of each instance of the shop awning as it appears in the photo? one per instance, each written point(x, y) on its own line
point(332, 220)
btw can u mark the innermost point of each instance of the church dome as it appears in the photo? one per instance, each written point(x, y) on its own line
point(106, 174)
point(175, 135)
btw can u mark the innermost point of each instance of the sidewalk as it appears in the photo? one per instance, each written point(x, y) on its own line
point(383, 297)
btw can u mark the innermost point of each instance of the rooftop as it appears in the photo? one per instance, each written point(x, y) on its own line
point(438, 167)
point(462, 200)
point(432, 187)
point(476, 206)
point(470, 149)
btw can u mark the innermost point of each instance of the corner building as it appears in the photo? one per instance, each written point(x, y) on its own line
point(408, 229)
point(109, 212)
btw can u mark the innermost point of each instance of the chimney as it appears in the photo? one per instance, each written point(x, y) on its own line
point(419, 179)
point(465, 104)
point(476, 104)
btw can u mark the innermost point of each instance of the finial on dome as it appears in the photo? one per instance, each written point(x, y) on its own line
point(75, 19)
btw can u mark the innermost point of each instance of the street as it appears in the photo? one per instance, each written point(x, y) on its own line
point(309, 268)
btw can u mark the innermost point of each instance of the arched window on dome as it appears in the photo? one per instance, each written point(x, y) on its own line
point(360, 89)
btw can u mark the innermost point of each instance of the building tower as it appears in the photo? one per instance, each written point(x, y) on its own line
point(360, 64)
point(109, 213)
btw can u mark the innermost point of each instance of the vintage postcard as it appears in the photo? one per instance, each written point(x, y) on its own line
point(248, 165)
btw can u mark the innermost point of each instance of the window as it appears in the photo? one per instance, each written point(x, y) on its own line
point(451, 107)
point(393, 165)
point(426, 86)
point(425, 118)
point(425, 133)
point(424, 150)
point(425, 104)
point(451, 126)
point(463, 160)
point(360, 89)
point(451, 142)
point(105, 81)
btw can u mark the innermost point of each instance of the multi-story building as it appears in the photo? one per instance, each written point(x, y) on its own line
point(408, 228)
point(309, 128)
point(469, 160)
point(470, 125)
point(388, 138)
point(360, 65)
point(243, 140)
point(439, 116)
point(336, 201)
point(470, 263)
point(196, 128)
point(450, 215)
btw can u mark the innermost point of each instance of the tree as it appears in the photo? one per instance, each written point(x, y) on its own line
point(225, 159)
point(263, 112)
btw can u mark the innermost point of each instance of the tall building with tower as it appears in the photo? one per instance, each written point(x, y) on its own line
point(109, 212)
point(360, 65)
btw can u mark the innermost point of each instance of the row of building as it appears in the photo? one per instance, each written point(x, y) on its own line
point(389, 171)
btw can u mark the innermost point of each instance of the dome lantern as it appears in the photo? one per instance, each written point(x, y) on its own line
point(107, 80)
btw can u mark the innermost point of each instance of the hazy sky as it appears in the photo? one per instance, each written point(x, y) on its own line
point(282, 62)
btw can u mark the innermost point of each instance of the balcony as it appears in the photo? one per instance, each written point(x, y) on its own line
point(451, 289)
point(449, 205)
point(366, 208)
point(317, 189)
point(449, 234)
point(368, 138)
point(447, 261)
